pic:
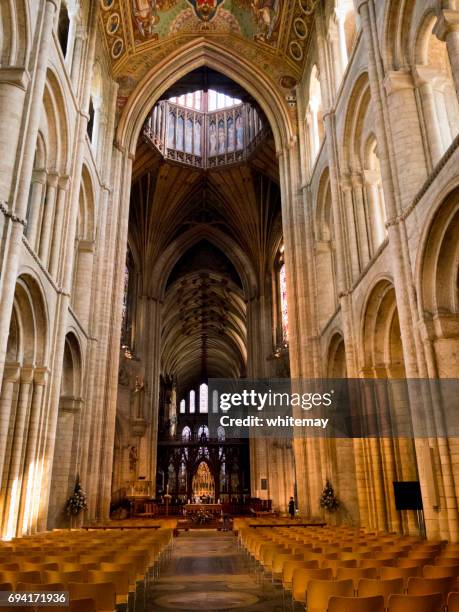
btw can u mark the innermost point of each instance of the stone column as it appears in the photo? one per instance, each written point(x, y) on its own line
point(67, 258)
point(425, 83)
point(353, 244)
point(35, 207)
point(14, 82)
point(361, 219)
point(82, 284)
point(31, 487)
point(447, 30)
point(405, 130)
point(48, 218)
point(341, 20)
point(14, 244)
point(64, 183)
point(14, 483)
point(10, 378)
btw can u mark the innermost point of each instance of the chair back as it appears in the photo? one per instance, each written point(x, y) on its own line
point(416, 603)
point(356, 604)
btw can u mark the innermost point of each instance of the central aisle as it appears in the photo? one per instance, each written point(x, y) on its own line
point(207, 572)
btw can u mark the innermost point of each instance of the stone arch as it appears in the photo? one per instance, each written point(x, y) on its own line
point(30, 321)
point(197, 53)
point(438, 282)
point(55, 118)
point(186, 240)
point(381, 338)
point(14, 33)
point(355, 116)
point(336, 357)
point(72, 372)
point(325, 249)
point(84, 250)
point(397, 33)
point(439, 103)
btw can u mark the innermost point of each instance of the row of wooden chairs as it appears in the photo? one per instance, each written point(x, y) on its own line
point(104, 567)
point(313, 565)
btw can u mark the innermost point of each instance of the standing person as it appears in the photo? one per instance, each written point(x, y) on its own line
point(291, 508)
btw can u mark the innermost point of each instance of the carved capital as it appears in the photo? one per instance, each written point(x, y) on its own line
point(27, 374)
point(11, 372)
point(41, 375)
point(18, 77)
point(447, 22)
point(398, 80)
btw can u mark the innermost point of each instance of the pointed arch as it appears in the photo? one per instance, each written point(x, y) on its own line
point(197, 53)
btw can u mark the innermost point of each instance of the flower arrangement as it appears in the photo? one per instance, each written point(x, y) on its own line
point(328, 499)
point(77, 501)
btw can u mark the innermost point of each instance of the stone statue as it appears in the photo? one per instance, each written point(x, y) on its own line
point(133, 458)
point(137, 395)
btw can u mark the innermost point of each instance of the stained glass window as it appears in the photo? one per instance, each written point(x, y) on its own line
point(215, 401)
point(182, 407)
point(283, 302)
point(192, 401)
point(186, 434)
point(124, 320)
point(203, 399)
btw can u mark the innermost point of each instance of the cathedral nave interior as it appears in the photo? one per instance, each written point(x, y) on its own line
point(199, 190)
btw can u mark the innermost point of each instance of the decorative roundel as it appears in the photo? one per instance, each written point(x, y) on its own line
point(301, 29)
point(296, 51)
point(113, 24)
point(117, 48)
point(307, 6)
point(107, 4)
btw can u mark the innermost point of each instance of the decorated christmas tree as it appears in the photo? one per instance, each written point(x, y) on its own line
point(328, 499)
point(77, 501)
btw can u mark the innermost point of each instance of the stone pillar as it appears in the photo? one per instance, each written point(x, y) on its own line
point(349, 213)
point(447, 30)
point(14, 483)
point(82, 283)
point(13, 86)
point(35, 207)
point(10, 378)
point(48, 218)
point(14, 244)
point(31, 487)
point(341, 21)
point(54, 259)
point(67, 258)
point(376, 213)
point(425, 83)
point(361, 219)
point(408, 154)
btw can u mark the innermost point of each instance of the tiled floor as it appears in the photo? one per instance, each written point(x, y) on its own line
point(207, 572)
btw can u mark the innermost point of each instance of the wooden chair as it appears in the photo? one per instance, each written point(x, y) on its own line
point(369, 587)
point(319, 593)
point(453, 602)
point(386, 573)
point(102, 593)
point(429, 586)
point(416, 603)
point(356, 573)
point(119, 578)
point(356, 604)
point(302, 578)
point(440, 571)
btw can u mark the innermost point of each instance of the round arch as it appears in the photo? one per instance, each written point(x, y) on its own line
point(195, 54)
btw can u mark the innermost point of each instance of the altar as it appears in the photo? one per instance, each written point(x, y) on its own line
point(203, 508)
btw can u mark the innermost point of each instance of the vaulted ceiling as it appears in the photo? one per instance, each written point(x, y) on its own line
point(272, 35)
point(206, 290)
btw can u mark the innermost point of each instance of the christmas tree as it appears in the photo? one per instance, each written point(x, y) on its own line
point(328, 499)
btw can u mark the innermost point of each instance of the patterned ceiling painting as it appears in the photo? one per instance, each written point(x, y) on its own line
point(273, 34)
